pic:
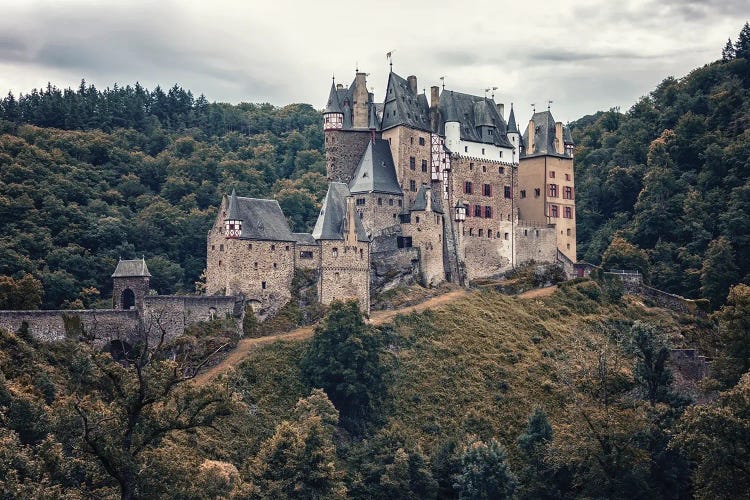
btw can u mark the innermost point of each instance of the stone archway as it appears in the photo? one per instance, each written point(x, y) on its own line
point(127, 299)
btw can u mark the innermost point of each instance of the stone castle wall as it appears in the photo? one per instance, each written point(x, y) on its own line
point(395, 267)
point(307, 256)
point(536, 242)
point(426, 231)
point(139, 286)
point(173, 313)
point(378, 211)
point(344, 149)
point(103, 324)
point(262, 271)
point(345, 272)
point(405, 144)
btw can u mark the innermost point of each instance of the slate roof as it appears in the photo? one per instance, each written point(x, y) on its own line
point(403, 106)
point(131, 269)
point(567, 136)
point(376, 172)
point(544, 136)
point(512, 127)
point(304, 238)
point(330, 223)
point(233, 212)
point(261, 219)
point(333, 105)
point(473, 112)
point(420, 202)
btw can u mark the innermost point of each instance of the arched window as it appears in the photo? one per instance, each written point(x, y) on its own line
point(127, 300)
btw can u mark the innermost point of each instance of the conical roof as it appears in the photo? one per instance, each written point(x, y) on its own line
point(333, 105)
point(512, 127)
point(233, 212)
point(567, 136)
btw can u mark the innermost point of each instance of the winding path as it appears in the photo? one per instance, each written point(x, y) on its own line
point(246, 345)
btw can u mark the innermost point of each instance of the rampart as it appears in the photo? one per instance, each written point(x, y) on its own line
point(102, 324)
point(632, 282)
point(173, 313)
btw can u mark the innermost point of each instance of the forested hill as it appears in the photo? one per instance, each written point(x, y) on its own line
point(89, 176)
point(671, 176)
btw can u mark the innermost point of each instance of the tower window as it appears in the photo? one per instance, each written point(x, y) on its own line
point(380, 201)
point(567, 231)
point(553, 190)
point(412, 163)
point(484, 168)
point(537, 192)
point(487, 190)
point(568, 193)
point(477, 210)
point(335, 252)
point(508, 193)
point(360, 201)
point(219, 263)
point(424, 165)
point(221, 248)
point(390, 202)
point(501, 170)
point(255, 265)
point(421, 141)
point(551, 174)
point(487, 212)
point(506, 236)
point(523, 193)
point(249, 246)
point(567, 177)
point(480, 233)
point(482, 150)
point(467, 187)
point(466, 149)
point(274, 265)
point(553, 211)
point(411, 140)
point(273, 247)
point(568, 212)
point(412, 186)
point(471, 165)
point(263, 285)
point(287, 248)
point(213, 247)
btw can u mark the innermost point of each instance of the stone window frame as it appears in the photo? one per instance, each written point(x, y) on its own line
point(501, 170)
point(390, 202)
point(554, 211)
point(537, 192)
point(335, 251)
point(567, 193)
point(305, 254)
point(413, 186)
point(487, 212)
point(523, 193)
point(360, 201)
point(552, 190)
point(481, 232)
point(421, 141)
point(567, 212)
point(468, 187)
point(478, 211)
point(263, 285)
point(487, 190)
point(424, 165)
point(412, 163)
point(508, 192)
point(380, 202)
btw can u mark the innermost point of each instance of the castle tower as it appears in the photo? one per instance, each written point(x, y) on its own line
point(233, 222)
point(546, 180)
point(514, 135)
point(130, 284)
point(348, 123)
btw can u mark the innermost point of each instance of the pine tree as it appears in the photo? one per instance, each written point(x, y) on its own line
point(742, 45)
point(734, 332)
point(727, 53)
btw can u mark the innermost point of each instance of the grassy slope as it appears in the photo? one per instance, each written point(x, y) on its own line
point(478, 365)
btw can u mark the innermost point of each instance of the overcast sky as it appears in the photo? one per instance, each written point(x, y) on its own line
point(583, 55)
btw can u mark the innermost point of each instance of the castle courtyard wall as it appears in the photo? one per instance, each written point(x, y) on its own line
point(535, 242)
point(426, 231)
point(103, 324)
point(345, 272)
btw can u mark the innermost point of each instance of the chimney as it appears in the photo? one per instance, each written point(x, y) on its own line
point(434, 96)
point(350, 227)
point(339, 86)
point(412, 83)
point(559, 146)
point(501, 110)
point(532, 134)
point(361, 97)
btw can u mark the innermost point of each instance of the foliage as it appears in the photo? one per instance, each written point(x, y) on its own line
point(484, 473)
point(670, 176)
point(734, 333)
point(298, 461)
point(89, 176)
point(650, 370)
point(345, 360)
point(625, 256)
point(24, 293)
point(717, 438)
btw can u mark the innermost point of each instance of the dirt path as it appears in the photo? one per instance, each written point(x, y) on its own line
point(538, 292)
point(376, 318)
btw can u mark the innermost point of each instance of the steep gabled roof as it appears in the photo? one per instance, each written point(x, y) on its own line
point(376, 172)
point(261, 219)
point(473, 112)
point(131, 269)
point(403, 106)
point(332, 218)
point(420, 202)
point(544, 135)
point(233, 212)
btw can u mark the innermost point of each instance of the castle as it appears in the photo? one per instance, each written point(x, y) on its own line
point(446, 187)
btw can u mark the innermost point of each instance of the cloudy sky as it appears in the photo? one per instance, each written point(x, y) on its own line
point(583, 55)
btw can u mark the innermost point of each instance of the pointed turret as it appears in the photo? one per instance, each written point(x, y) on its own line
point(514, 135)
point(333, 116)
point(568, 141)
point(233, 221)
point(512, 127)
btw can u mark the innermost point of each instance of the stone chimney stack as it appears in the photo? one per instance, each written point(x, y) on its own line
point(361, 97)
point(501, 110)
point(434, 102)
point(350, 230)
point(339, 86)
point(559, 145)
point(412, 83)
point(532, 133)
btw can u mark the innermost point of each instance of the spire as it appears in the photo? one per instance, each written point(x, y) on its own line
point(333, 105)
point(512, 127)
point(233, 212)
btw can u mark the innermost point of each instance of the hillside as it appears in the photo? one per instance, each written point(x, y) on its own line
point(87, 177)
point(672, 176)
